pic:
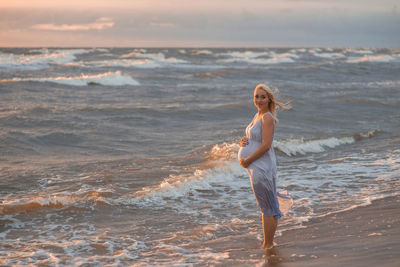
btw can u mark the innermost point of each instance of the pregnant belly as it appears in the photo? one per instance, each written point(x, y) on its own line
point(246, 151)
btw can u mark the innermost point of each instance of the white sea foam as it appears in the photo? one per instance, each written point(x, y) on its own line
point(143, 63)
point(261, 61)
point(293, 147)
point(359, 51)
point(328, 55)
point(300, 146)
point(108, 78)
point(60, 200)
point(143, 54)
point(252, 57)
point(144, 60)
point(245, 54)
point(368, 58)
point(174, 60)
point(136, 63)
point(202, 52)
point(191, 185)
point(39, 61)
point(298, 50)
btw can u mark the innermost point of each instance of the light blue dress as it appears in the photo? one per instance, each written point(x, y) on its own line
point(262, 172)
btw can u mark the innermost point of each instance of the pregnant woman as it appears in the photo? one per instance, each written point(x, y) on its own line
point(257, 155)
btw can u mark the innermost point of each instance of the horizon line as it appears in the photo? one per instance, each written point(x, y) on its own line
point(211, 46)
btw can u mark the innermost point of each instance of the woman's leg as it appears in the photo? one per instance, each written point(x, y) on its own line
point(269, 228)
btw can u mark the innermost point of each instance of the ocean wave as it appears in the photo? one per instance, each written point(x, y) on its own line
point(44, 59)
point(259, 58)
point(300, 146)
point(359, 51)
point(216, 168)
point(212, 182)
point(259, 61)
point(142, 53)
point(127, 63)
point(34, 204)
point(331, 55)
point(108, 78)
point(291, 147)
point(58, 201)
point(142, 63)
point(350, 55)
point(197, 186)
point(245, 54)
point(376, 58)
point(227, 152)
point(202, 52)
point(223, 152)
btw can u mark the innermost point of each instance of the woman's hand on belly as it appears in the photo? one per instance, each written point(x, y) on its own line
point(244, 141)
point(244, 162)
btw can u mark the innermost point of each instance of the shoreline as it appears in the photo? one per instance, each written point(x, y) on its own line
point(364, 236)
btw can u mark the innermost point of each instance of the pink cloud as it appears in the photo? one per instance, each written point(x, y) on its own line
point(100, 24)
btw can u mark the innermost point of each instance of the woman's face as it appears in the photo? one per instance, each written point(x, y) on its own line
point(261, 99)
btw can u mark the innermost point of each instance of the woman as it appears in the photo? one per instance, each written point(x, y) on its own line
point(258, 157)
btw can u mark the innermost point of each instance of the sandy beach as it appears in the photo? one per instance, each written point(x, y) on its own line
point(364, 236)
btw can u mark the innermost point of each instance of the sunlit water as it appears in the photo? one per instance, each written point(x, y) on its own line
point(128, 156)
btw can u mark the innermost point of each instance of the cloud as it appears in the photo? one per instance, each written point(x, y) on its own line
point(162, 25)
point(100, 24)
point(202, 23)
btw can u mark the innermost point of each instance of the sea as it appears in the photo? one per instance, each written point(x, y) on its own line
point(128, 156)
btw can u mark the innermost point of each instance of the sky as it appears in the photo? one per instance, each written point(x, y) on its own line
point(200, 23)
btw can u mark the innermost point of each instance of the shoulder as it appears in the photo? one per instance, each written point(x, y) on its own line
point(267, 119)
point(268, 116)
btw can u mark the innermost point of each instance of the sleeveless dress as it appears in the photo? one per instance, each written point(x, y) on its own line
point(262, 172)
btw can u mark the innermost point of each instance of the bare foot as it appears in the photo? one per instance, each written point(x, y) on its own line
point(268, 246)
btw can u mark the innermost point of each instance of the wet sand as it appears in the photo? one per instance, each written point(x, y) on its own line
point(364, 236)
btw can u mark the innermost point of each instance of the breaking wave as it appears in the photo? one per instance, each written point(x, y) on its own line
point(33, 204)
point(300, 146)
point(108, 78)
point(40, 59)
point(369, 58)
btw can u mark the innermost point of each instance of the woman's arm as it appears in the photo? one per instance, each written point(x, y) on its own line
point(267, 130)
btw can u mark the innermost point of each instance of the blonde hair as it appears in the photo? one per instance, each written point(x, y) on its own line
point(274, 103)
